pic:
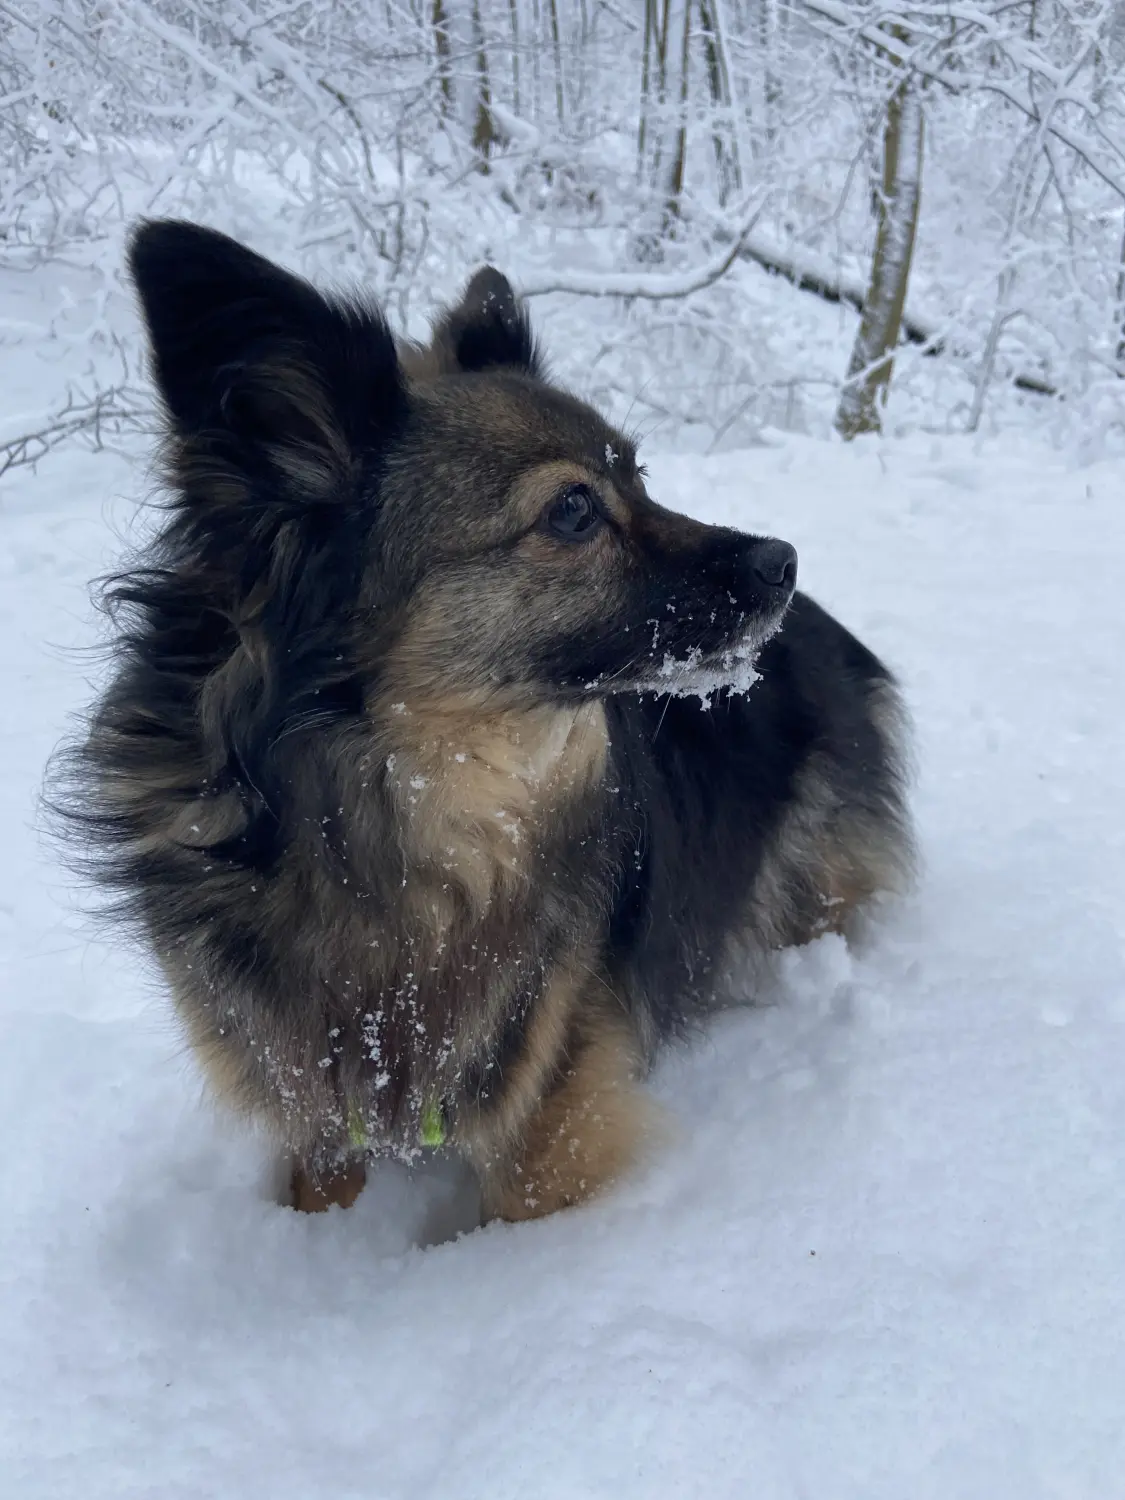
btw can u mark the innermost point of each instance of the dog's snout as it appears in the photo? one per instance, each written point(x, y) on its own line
point(774, 563)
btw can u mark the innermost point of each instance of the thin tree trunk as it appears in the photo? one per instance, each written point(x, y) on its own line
point(771, 90)
point(1120, 351)
point(662, 140)
point(556, 47)
point(514, 13)
point(660, 37)
point(646, 84)
point(869, 371)
point(675, 190)
point(484, 129)
point(1006, 281)
point(535, 49)
point(665, 23)
point(444, 55)
point(723, 139)
point(585, 38)
point(1004, 286)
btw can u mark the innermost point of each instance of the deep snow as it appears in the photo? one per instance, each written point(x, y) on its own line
point(879, 1257)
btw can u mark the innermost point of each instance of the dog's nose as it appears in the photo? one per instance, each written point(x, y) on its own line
point(774, 563)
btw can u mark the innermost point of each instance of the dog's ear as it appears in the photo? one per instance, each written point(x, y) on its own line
point(281, 403)
point(257, 360)
point(488, 329)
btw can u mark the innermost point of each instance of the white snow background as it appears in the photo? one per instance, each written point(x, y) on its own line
point(880, 1256)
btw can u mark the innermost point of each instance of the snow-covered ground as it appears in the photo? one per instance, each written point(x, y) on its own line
point(880, 1257)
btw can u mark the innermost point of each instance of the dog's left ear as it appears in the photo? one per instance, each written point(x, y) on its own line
point(488, 329)
point(259, 365)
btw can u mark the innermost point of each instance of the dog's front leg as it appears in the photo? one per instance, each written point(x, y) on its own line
point(314, 1189)
point(581, 1134)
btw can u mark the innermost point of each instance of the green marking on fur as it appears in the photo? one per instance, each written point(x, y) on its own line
point(357, 1128)
point(433, 1126)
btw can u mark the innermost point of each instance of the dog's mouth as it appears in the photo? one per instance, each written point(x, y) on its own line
point(696, 671)
point(699, 674)
point(691, 628)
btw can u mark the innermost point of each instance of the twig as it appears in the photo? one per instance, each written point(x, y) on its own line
point(118, 409)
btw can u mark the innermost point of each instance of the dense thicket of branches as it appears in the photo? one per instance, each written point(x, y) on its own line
point(658, 153)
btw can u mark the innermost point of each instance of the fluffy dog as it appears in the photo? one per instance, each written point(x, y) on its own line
point(398, 774)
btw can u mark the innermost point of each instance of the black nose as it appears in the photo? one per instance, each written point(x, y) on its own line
point(775, 563)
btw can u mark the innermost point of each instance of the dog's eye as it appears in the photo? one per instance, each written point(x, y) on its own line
point(574, 514)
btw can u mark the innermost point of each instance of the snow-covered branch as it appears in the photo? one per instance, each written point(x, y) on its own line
point(942, 41)
point(647, 286)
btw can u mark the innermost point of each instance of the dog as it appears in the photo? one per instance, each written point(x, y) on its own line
point(433, 770)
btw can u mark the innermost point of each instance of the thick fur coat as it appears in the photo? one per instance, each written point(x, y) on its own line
point(397, 775)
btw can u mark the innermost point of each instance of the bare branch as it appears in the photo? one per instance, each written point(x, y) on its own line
point(112, 412)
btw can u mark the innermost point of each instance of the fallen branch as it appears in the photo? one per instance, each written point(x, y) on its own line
point(812, 273)
point(805, 269)
point(646, 286)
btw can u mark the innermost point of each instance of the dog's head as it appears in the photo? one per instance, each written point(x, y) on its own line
point(356, 520)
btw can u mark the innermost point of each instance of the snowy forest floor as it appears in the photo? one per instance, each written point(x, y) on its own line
point(880, 1256)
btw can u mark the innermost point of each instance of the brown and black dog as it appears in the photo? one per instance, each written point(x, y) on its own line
point(397, 774)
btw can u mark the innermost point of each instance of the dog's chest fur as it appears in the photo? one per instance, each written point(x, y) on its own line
point(469, 872)
point(475, 796)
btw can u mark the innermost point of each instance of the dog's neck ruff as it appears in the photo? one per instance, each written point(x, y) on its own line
point(475, 793)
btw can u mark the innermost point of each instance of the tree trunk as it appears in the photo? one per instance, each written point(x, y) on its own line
point(869, 372)
point(661, 43)
point(647, 60)
point(444, 56)
point(484, 129)
point(535, 50)
point(675, 186)
point(654, 150)
point(556, 47)
point(514, 14)
point(723, 139)
point(768, 27)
